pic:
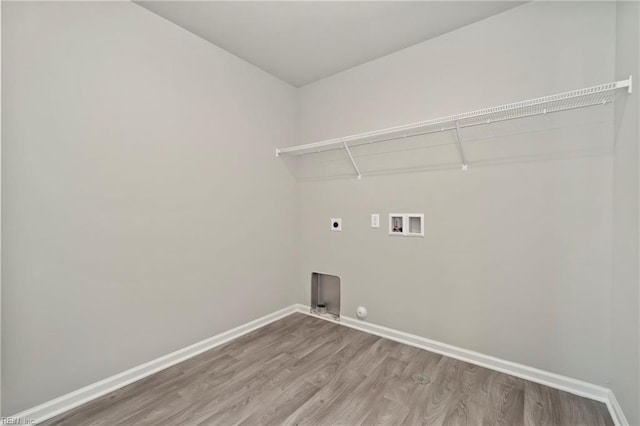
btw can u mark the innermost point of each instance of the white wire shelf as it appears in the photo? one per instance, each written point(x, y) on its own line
point(590, 96)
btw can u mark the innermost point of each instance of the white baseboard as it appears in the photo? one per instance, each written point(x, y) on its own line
point(81, 396)
point(553, 380)
point(616, 411)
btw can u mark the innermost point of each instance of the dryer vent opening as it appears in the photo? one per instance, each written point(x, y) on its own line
point(325, 295)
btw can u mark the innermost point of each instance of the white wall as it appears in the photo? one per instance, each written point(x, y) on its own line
point(626, 226)
point(516, 259)
point(142, 206)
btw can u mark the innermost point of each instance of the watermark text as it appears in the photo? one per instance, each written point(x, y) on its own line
point(17, 421)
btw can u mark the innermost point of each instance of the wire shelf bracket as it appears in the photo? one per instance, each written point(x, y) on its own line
point(463, 157)
point(590, 96)
point(353, 162)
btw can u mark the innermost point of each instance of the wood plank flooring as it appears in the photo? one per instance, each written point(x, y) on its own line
point(304, 370)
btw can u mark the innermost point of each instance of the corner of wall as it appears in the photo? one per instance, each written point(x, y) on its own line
point(625, 290)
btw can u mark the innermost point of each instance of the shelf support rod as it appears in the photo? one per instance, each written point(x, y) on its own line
point(465, 165)
point(355, 166)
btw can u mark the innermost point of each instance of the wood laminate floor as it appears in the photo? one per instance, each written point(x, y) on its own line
point(304, 370)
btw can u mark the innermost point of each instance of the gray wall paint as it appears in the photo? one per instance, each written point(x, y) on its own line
point(516, 259)
point(0, 216)
point(143, 209)
point(626, 227)
point(117, 201)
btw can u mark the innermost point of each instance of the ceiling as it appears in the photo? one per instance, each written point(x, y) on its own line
point(302, 42)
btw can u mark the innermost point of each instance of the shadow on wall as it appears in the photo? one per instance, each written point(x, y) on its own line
point(561, 136)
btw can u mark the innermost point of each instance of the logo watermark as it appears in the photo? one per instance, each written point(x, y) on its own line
point(17, 421)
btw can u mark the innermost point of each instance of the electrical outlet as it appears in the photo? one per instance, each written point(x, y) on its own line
point(375, 220)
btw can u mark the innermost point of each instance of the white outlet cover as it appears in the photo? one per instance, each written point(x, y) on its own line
point(336, 224)
point(375, 220)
